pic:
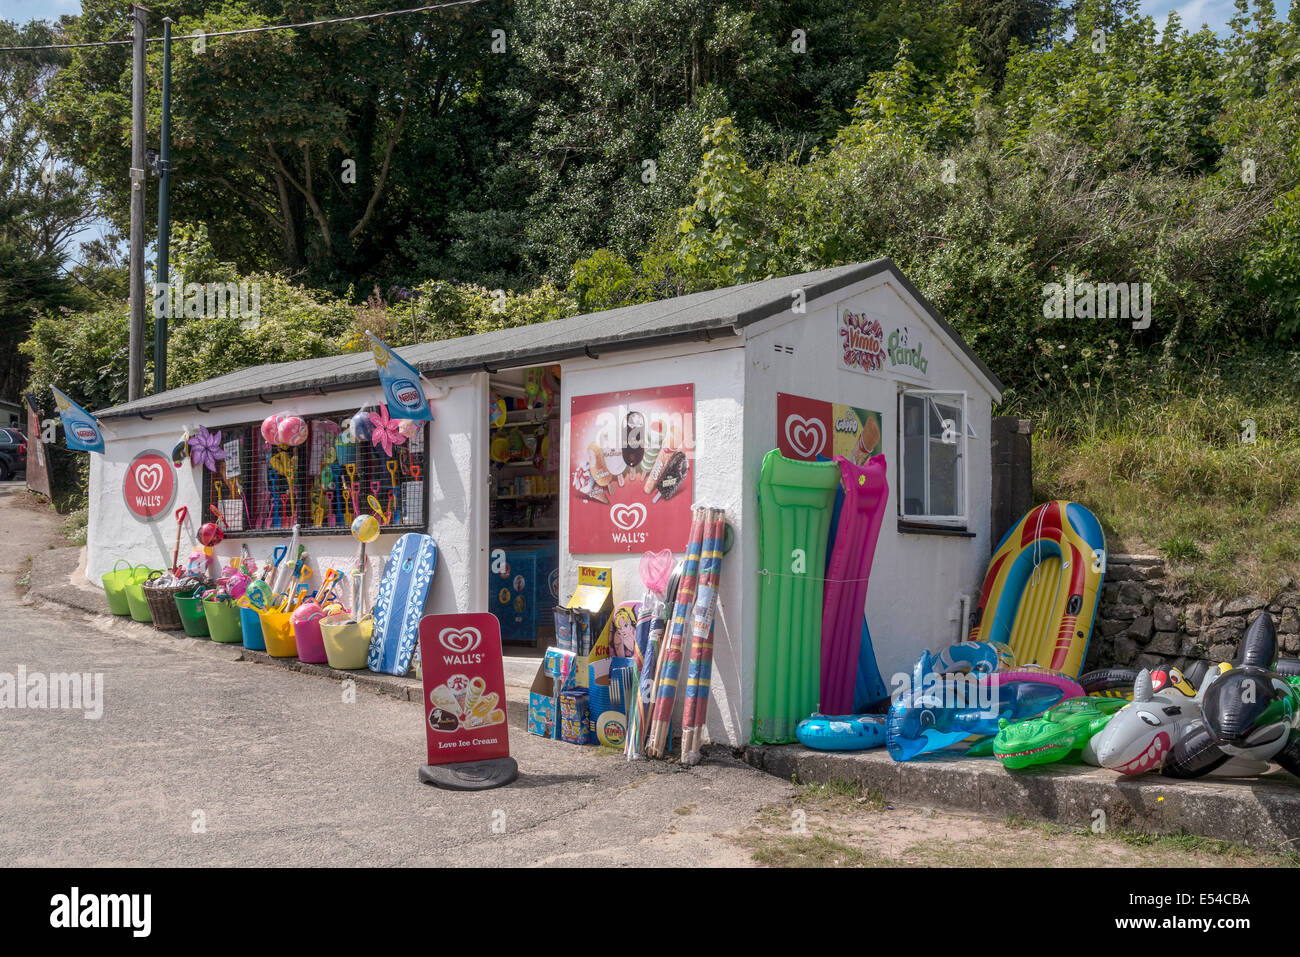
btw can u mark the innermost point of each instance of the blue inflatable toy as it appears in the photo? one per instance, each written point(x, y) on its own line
point(941, 708)
point(844, 732)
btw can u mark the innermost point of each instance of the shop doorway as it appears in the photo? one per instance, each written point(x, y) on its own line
point(524, 496)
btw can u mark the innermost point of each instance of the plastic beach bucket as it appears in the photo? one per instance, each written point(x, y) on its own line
point(193, 620)
point(136, 602)
point(251, 625)
point(277, 632)
point(347, 641)
point(115, 583)
point(307, 636)
point(223, 621)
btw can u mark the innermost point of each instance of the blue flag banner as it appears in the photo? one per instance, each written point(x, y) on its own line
point(80, 428)
point(402, 388)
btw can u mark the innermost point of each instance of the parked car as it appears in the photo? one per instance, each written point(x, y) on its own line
point(13, 453)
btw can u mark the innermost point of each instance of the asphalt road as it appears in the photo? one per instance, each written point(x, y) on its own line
point(202, 759)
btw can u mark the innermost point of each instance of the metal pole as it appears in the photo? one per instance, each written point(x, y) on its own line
point(135, 377)
point(164, 214)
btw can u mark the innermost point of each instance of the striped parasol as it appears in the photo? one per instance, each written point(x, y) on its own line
point(700, 669)
point(670, 658)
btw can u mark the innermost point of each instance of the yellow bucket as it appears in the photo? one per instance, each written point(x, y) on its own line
point(277, 632)
point(347, 641)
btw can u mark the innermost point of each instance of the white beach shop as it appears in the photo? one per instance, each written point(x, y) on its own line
point(524, 457)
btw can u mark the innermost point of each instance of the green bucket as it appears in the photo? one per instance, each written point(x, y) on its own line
point(136, 602)
point(193, 620)
point(223, 621)
point(115, 583)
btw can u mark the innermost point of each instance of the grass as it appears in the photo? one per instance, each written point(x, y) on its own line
point(73, 527)
point(813, 851)
point(1200, 465)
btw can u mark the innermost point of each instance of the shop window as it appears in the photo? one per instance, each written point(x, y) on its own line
point(264, 489)
point(933, 431)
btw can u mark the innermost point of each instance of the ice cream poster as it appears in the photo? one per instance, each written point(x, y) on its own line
point(631, 457)
point(810, 429)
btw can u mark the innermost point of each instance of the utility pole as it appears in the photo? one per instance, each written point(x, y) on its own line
point(164, 211)
point(135, 376)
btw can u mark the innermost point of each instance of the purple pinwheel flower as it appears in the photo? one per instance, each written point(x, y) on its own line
point(205, 448)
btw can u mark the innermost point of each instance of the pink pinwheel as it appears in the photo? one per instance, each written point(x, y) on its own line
point(387, 432)
point(205, 448)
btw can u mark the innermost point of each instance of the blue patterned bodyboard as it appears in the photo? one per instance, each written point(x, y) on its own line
point(400, 606)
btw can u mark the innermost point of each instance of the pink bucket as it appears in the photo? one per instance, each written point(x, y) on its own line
point(311, 646)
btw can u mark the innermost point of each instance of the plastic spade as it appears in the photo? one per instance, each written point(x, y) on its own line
point(181, 513)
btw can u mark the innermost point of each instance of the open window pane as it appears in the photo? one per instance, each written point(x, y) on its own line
point(933, 446)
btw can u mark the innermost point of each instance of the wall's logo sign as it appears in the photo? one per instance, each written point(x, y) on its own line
point(407, 394)
point(811, 429)
point(806, 436)
point(628, 517)
point(148, 477)
point(150, 486)
point(460, 640)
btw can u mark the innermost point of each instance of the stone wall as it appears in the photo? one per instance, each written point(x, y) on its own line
point(1145, 622)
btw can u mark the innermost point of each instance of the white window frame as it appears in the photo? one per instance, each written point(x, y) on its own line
point(930, 395)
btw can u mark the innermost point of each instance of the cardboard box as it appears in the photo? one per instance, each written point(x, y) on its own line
point(595, 594)
point(543, 704)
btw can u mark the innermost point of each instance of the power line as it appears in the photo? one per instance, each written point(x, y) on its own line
point(266, 29)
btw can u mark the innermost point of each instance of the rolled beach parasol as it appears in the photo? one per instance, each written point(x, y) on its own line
point(699, 671)
point(669, 665)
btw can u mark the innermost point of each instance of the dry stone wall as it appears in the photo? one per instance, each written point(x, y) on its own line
point(1145, 622)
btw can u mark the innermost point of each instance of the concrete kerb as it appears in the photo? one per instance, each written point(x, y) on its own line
point(1258, 812)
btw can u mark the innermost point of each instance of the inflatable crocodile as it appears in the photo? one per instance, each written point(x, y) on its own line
point(1052, 736)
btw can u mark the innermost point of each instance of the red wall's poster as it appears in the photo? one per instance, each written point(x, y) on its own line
point(631, 455)
point(464, 688)
point(810, 429)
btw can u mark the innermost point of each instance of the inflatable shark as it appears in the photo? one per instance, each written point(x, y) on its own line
point(1249, 713)
point(1243, 716)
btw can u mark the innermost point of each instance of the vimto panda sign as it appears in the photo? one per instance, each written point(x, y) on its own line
point(867, 346)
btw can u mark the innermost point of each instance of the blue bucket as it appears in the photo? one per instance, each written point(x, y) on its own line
point(252, 628)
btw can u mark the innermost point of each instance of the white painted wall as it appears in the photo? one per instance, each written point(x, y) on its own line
point(916, 580)
point(717, 371)
point(455, 488)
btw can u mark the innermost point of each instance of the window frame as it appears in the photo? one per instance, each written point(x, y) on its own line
point(958, 521)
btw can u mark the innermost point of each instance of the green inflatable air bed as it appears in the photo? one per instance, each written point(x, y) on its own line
point(795, 503)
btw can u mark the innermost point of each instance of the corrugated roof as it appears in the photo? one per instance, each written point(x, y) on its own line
point(702, 315)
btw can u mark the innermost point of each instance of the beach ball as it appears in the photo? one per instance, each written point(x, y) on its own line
point(258, 589)
point(365, 528)
point(271, 428)
point(211, 534)
point(362, 429)
point(305, 612)
point(291, 431)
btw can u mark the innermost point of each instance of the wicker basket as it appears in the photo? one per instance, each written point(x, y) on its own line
point(162, 603)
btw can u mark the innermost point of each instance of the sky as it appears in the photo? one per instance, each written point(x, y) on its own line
point(1193, 12)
